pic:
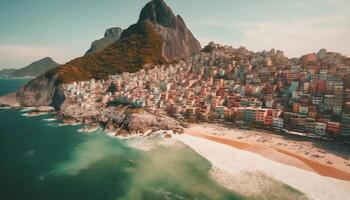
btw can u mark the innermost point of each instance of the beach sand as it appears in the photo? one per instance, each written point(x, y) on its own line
point(302, 154)
point(248, 168)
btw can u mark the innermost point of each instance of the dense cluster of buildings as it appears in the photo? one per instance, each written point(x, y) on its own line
point(307, 95)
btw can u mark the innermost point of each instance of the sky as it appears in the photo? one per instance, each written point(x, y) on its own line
point(64, 29)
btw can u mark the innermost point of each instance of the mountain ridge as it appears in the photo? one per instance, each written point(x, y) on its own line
point(36, 68)
point(7, 72)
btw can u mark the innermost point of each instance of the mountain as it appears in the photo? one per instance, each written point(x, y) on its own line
point(6, 72)
point(111, 35)
point(178, 39)
point(128, 54)
point(158, 37)
point(35, 69)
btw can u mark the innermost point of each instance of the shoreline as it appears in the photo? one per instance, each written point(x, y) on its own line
point(263, 147)
point(236, 169)
point(234, 157)
point(274, 153)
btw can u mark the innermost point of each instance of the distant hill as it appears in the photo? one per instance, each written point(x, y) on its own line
point(111, 35)
point(35, 69)
point(6, 72)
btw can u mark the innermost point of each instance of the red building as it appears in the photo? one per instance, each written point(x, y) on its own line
point(313, 87)
point(321, 87)
point(308, 58)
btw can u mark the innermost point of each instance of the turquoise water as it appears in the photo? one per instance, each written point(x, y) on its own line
point(8, 85)
point(41, 160)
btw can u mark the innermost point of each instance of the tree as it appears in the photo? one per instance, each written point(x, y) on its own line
point(187, 114)
point(200, 117)
point(112, 88)
point(230, 118)
point(170, 110)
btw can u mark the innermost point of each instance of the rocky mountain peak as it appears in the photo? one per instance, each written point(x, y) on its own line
point(178, 39)
point(113, 32)
point(46, 59)
point(111, 35)
point(158, 12)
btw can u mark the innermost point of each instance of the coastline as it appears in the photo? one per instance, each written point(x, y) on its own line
point(233, 159)
point(300, 154)
point(231, 165)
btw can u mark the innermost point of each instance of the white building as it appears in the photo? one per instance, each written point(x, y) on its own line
point(277, 123)
point(320, 128)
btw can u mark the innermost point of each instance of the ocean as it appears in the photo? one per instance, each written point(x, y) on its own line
point(40, 159)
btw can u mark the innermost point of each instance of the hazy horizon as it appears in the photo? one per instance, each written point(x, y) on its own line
point(64, 29)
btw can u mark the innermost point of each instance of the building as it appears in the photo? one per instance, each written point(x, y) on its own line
point(260, 115)
point(320, 128)
point(277, 123)
point(310, 125)
point(317, 99)
point(328, 102)
point(323, 74)
point(345, 125)
point(304, 110)
point(250, 115)
point(308, 58)
point(220, 111)
point(269, 117)
point(296, 107)
point(333, 127)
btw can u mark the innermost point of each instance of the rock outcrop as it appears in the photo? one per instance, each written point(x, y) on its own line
point(138, 120)
point(179, 42)
point(42, 91)
point(111, 35)
point(35, 69)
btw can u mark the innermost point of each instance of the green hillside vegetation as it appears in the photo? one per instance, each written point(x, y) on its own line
point(140, 45)
point(37, 68)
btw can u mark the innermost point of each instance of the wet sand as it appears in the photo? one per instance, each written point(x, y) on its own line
point(243, 169)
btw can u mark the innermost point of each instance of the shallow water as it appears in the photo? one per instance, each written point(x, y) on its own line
point(42, 160)
point(49, 162)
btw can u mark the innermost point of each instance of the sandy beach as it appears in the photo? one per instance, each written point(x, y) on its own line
point(303, 165)
point(237, 169)
point(317, 157)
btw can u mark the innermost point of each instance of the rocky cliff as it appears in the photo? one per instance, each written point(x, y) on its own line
point(36, 68)
point(111, 35)
point(124, 120)
point(178, 39)
point(134, 120)
point(41, 91)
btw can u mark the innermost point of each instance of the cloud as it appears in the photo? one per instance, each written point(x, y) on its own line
point(306, 26)
point(296, 36)
point(300, 36)
point(22, 55)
